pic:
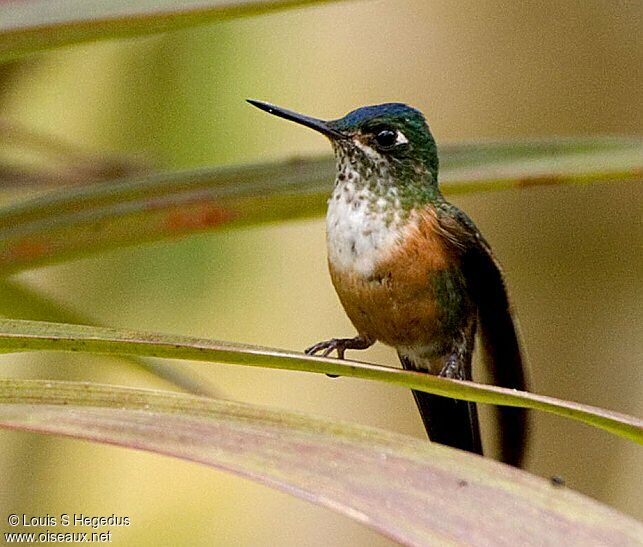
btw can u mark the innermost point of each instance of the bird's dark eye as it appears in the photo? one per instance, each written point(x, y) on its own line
point(386, 138)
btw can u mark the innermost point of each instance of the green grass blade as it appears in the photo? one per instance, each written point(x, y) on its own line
point(30, 26)
point(415, 492)
point(80, 221)
point(16, 335)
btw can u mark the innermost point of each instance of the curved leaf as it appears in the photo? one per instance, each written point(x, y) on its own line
point(30, 26)
point(79, 221)
point(415, 492)
point(60, 162)
point(17, 335)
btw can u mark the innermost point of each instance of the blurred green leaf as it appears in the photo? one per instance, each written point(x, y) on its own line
point(30, 26)
point(17, 335)
point(415, 492)
point(79, 221)
point(60, 162)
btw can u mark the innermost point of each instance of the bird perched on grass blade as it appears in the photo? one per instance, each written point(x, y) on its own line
point(413, 271)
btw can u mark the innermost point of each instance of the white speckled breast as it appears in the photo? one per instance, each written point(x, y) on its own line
point(361, 228)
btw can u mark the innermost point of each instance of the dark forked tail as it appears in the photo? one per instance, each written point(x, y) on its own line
point(448, 421)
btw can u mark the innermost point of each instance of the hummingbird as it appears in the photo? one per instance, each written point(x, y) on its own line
point(413, 271)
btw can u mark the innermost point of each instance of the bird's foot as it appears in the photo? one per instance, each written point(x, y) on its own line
point(340, 345)
point(453, 369)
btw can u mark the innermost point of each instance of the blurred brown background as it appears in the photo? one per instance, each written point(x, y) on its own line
point(483, 70)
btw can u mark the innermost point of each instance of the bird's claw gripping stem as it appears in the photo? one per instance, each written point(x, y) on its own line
point(340, 345)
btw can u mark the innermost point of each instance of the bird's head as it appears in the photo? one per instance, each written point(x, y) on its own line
point(389, 140)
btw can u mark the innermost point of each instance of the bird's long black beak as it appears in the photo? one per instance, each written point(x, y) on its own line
point(318, 125)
